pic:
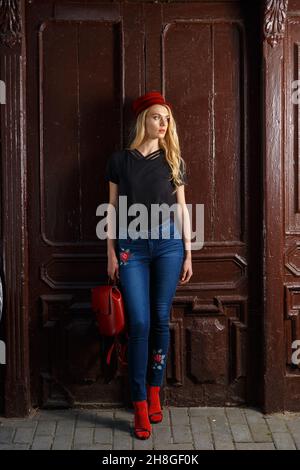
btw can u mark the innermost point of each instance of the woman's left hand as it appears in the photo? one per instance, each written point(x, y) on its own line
point(187, 271)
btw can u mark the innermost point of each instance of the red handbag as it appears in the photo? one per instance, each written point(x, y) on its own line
point(108, 306)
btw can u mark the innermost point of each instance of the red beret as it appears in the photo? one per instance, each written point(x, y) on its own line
point(147, 100)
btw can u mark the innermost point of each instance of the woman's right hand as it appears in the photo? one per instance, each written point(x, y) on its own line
point(113, 266)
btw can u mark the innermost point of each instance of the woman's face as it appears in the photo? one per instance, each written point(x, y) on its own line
point(157, 121)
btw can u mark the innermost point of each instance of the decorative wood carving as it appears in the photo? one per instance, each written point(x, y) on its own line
point(10, 22)
point(274, 20)
point(223, 322)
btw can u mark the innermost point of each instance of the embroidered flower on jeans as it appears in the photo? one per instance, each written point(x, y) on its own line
point(158, 359)
point(125, 255)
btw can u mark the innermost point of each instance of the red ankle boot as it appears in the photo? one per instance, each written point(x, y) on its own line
point(154, 408)
point(142, 426)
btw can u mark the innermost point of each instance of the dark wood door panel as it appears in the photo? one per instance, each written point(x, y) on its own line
point(75, 88)
point(291, 318)
point(86, 62)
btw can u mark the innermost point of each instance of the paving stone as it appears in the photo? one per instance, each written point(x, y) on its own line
point(276, 424)
point(283, 441)
point(179, 416)
point(124, 415)
point(123, 439)
point(23, 436)
point(86, 419)
point(92, 447)
point(6, 435)
point(123, 427)
point(296, 439)
point(203, 441)
point(199, 424)
point(253, 416)
point(292, 421)
point(219, 424)
point(241, 433)
point(143, 444)
point(166, 421)
point(259, 428)
point(174, 447)
point(162, 434)
point(42, 443)
point(293, 425)
point(56, 415)
point(208, 411)
point(83, 436)
point(223, 441)
point(103, 435)
point(62, 442)
point(14, 446)
point(196, 411)
point(255, 446)
point(65, 428)
point(19, 423)
point(236, 416)
point(181, 434)
point(104, 418)
point(46, 427)
point(123, 422)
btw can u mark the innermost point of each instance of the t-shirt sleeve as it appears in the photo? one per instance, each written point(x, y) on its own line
point(183, 173)
point(112, 170)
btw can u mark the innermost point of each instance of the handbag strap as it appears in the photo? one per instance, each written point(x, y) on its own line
point(121, 350)
point(110, 280)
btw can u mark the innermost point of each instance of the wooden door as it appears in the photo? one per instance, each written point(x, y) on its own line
point(86, 61)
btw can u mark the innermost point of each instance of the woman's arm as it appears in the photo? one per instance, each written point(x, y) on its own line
point(113, 266)
point(186, 228)
point(186, 225)
point(113, 202)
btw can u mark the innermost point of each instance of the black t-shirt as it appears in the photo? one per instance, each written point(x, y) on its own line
point(144, 180)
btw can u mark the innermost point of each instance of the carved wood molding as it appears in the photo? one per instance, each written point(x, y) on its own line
point(10, 22)
point(274, 20)
point(17, 394)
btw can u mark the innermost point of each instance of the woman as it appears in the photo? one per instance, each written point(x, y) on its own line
point(148, 262)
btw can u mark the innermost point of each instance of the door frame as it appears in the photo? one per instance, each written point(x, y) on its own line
point(13, 212)
point(17, 400)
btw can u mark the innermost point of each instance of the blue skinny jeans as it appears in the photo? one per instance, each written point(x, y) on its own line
point(149, 270)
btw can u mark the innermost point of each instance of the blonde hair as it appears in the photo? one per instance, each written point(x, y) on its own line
point(169, 143)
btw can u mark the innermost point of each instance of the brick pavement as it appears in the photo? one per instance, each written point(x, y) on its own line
point(191, 428)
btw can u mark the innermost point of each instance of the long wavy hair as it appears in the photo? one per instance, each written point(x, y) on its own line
point(169, 143)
